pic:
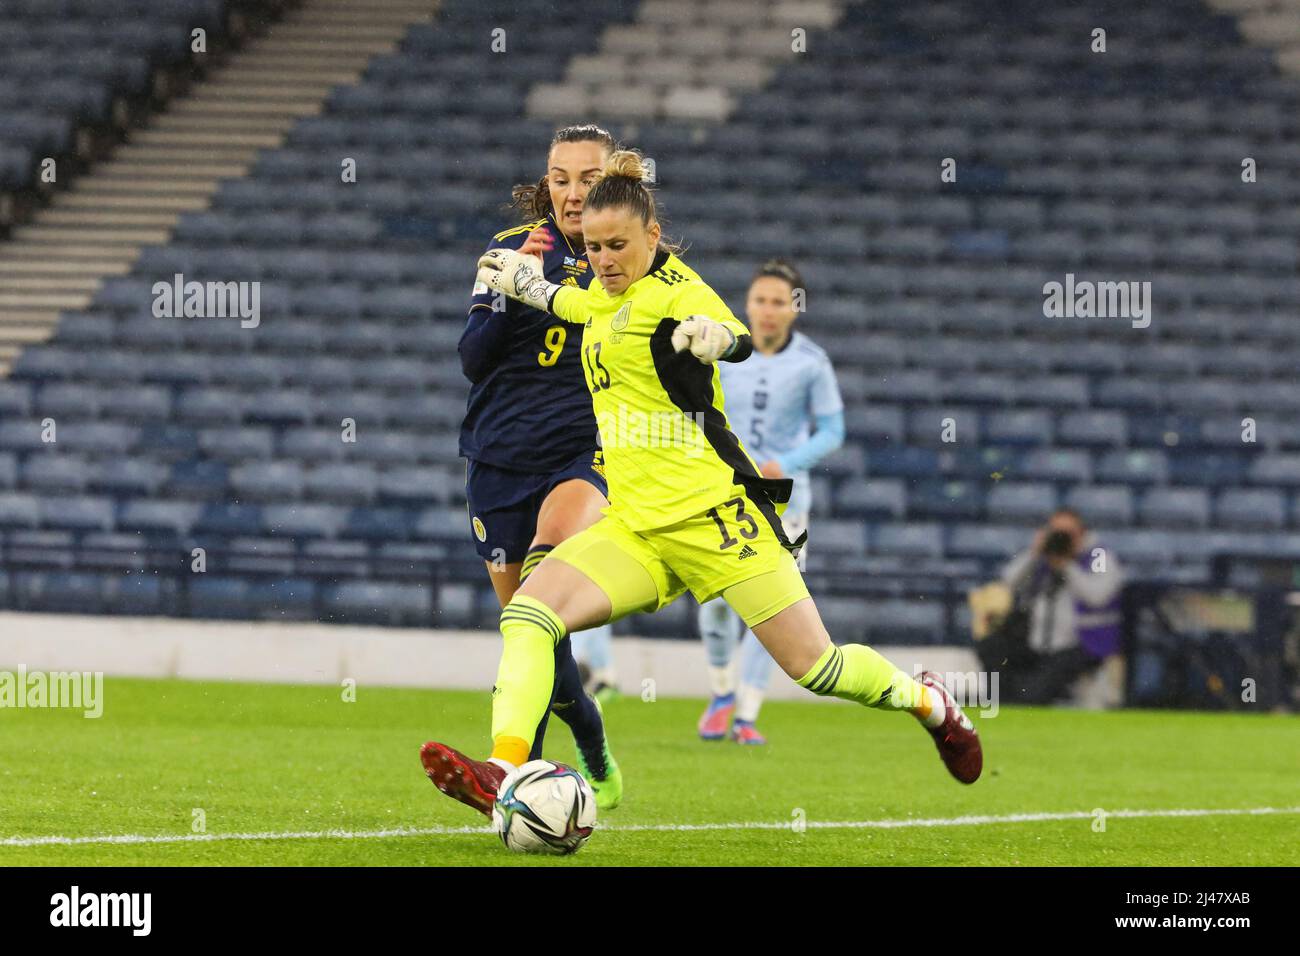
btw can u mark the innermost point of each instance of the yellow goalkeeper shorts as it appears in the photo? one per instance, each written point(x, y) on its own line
point(737, 542)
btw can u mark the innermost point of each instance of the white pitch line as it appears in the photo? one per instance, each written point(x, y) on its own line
point(140, 839)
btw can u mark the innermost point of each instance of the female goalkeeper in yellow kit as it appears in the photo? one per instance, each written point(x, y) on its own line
point(689, 508)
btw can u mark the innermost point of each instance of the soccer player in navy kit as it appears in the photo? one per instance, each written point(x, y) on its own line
point(534, 472)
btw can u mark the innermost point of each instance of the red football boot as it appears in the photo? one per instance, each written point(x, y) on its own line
point(472, 782)
point(956, 737)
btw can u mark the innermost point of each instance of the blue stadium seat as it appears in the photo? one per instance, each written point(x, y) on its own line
point(1021, 501)
point(875, 423)
point(405, 485)
point(18, 510)
point(283, 599)
point(873, 499)
point(946, 500)
point(313, 444)
point(379, 524)
point(362, 602)
point(902, 462)
point(215, 596)
point(1019, 427)
point(134, 593)
point(442, 524)
point(126, 476)
point(1057, 464)
point(102, 438)
point(304, 521)
point(1261, 509)
point(55, 470)
point(210, 406)
point(338, 559)
point(904, 622)
point(237, 444)
point(199, 479)
point(843, 537)
point(230, 518)
point(1275, 470)
point(1139, 548)
point(172, 519)
point(943, 426)
point(1097, 428)
point(80, 513)
point(1175, 507)
point(268, 481)
point(911, 540)
point(63, 591)
point(992, 542)
point(1206, 468)
point(1105, 505)
point(15, 398)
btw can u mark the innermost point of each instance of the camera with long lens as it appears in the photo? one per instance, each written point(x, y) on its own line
point(1058, 544)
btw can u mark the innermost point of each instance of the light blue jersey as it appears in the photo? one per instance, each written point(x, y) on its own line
point(772, 403)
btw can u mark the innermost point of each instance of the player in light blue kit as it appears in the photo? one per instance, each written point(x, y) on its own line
point(784, 404)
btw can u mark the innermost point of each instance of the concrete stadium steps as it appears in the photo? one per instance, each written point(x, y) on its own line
point(96, 229)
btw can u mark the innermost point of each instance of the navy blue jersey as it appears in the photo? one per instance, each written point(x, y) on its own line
point(529, 408)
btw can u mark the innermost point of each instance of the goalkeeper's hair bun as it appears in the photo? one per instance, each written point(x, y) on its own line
point(625, 164)
point(622, 186)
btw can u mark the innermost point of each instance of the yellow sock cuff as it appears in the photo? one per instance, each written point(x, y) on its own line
point(535, 556)
point(821, 679)
point(513, 750)
point(858, 673)
point(523, 609)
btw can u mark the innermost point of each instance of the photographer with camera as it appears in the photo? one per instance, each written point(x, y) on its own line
point(1066, 622)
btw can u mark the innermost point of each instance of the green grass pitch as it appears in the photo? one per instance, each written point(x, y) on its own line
point(273, 759)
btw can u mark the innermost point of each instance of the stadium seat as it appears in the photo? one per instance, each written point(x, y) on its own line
point(1105, 505)
point(1175, 507)
point(912, 540)
point(1250, 508)
point(1021, 501)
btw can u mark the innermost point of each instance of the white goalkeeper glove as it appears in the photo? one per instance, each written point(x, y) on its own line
point(707, 339)
point(518, 276)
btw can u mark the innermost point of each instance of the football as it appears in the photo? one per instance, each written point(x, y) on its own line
point(544, 807)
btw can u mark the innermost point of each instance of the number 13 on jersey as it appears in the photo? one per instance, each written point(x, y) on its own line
point(597, 374)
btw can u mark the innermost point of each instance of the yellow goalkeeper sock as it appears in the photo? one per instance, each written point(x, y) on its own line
point(529, 632)
point(858, 673)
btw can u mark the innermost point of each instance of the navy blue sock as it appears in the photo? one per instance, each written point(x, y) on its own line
point(572, 705)
point(536, 752)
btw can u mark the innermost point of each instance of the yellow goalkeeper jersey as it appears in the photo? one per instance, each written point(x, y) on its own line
point(669, 451)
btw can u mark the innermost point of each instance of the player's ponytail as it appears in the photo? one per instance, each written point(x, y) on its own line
point(622, 186)
point(533, 200)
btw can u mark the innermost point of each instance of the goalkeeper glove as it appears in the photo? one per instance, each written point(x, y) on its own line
point(518, 276)
point(707, 339)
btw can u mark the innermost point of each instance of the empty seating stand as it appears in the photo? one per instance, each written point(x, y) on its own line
point(176, 434)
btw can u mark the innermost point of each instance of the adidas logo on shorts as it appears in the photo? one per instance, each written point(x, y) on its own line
point(747, 552)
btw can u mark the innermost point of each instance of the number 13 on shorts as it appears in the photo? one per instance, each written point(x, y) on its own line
point(743, 520)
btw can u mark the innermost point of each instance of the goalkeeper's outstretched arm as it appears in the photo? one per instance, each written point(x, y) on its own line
point(520, 277)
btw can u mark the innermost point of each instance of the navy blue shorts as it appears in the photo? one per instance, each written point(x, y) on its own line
point(503, 504)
